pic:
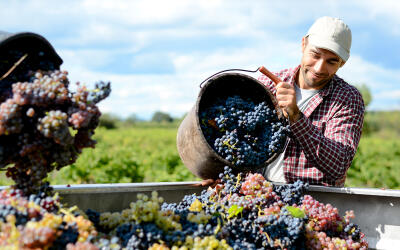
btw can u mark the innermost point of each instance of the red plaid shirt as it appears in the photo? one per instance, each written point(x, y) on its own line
point(324, 140)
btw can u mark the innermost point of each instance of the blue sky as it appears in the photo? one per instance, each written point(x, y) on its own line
point(156, 53)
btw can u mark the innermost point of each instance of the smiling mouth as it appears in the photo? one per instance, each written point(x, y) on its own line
point(316, 75)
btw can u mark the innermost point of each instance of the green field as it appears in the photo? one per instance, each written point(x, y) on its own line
point(128, 155)
point(147, 153)
point(376, 164)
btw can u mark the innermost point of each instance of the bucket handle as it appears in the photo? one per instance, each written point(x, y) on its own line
point(222, 71)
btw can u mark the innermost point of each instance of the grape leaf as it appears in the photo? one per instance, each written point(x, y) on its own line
point(296, 212)
point(196, 206)
point(234, 211)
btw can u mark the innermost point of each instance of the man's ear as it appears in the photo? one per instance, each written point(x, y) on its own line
point(303, 44)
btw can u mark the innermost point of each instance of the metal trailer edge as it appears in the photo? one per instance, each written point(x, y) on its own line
point(377, 211)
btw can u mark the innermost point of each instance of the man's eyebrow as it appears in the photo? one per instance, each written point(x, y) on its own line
point(319, 52)
point(315, 50)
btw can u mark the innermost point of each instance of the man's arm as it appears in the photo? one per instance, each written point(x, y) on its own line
point(332, 151)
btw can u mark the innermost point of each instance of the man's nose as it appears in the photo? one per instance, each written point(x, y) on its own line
point(319, 66)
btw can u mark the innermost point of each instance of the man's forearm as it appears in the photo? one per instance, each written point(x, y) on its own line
point(332, 151)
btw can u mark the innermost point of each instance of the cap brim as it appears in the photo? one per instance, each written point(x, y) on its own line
point(325, 43)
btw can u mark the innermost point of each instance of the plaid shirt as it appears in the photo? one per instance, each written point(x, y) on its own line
point(324, 140)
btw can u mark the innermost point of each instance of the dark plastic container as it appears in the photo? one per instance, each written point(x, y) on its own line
point(34, 50)
point(29, 43)
point(196, 153)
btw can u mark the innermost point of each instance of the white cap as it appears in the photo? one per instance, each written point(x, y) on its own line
point(331, 34)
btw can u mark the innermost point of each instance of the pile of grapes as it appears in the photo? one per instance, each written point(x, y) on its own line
point(44, 126)
point(241, 212)
point(243, 132)
point(38, 221)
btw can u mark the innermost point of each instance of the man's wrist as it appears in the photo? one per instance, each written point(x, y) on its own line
point(296, 117)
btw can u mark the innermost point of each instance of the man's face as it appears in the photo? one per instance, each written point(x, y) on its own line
point(318, 66)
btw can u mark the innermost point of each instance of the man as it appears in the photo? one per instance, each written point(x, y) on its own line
point(325, 113)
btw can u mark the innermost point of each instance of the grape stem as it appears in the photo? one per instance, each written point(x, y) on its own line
point(229, 145)
point(269, 239)
point(13, 67)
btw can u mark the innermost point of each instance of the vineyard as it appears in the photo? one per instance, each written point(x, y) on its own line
point(149, 154)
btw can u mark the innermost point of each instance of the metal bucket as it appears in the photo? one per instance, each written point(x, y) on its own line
point(196, 153)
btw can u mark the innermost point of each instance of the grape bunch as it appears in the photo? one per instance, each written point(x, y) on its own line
point(243, 132)
point(44, 126)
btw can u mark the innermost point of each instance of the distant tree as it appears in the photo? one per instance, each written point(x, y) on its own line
point(366, 93)
point(109, 121)
point(368, 127)
point(180, 119)
point(132, 119)
point(159, 117)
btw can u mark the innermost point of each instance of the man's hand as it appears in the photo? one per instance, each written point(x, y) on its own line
point(286, 97)
point(209, 182)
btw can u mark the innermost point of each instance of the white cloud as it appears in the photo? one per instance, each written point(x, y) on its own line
point(390, 94)
point(380, 81)
point(357, 70)
point(138, 12)
point(177, 93)
point(386, 13)
point(90, 34)
point(373, 74)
